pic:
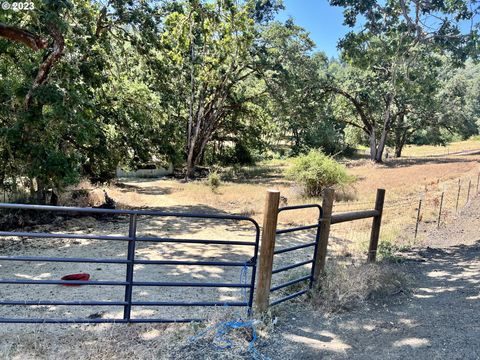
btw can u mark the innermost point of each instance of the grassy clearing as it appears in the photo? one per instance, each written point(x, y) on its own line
point(248, 197)
point(433, 150)
point(430, 150)
point(242, 190)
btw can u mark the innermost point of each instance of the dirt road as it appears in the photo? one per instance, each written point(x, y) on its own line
point(439, 320)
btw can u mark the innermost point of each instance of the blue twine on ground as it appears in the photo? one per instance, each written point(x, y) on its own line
point(222, 329)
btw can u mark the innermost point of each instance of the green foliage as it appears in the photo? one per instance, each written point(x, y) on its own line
point(316, 171)
point(217, 82)
point(239, 154)
point(213, 181)
point(394, 62)
point(387, 251)
point(460, 99)
point(92, 110)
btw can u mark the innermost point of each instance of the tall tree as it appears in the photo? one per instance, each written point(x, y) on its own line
point(213, 54)
point(56, 122)
point(389, 45)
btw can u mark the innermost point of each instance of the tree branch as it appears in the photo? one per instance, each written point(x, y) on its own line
point(22, 36)
point(100, 26)
point(47, 64)
point(368, 125)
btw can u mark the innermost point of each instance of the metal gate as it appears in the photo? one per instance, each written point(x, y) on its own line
point(129, 262)
point(311, 261)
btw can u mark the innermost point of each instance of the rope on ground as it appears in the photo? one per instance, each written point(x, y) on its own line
point(222, 329)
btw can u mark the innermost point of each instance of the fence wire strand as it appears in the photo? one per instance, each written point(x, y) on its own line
point(406, 221)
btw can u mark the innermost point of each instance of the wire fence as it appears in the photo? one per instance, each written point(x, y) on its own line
point(406, 221)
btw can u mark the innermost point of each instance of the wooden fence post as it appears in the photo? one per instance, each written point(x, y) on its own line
point(468, 194)
point(458, 194)
point(321, 255)
point(377, 221)
point(418, 217)
point(478, 181)
point(267, 247)
point(440, 210)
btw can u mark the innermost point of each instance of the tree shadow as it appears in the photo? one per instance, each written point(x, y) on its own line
point(405, 162)
point(150, 190)
point(259, 175)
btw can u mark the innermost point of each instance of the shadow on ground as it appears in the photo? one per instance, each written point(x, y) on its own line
point(439, 320)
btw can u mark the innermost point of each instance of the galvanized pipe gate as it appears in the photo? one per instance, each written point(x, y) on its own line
point(312, 261)
point(130, 261)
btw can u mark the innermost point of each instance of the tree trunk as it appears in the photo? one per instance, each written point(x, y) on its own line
point(196, 151)
point(387, 122)
point(40, 192)
point(381, 146)
point(190, 173)
point(400, 141)
point(398, 145)
point(401, 135)
point(373, 144)
point(398, 151)
point(296, 137)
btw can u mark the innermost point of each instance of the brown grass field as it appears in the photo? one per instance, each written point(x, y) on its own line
point(406, 182)
point(244, 194)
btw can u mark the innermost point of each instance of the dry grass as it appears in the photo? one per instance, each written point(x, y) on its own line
point(405, 180)
point(429, 150)
point(100, 342)
point(347, 287)
point(135, 341)
point(401, 178)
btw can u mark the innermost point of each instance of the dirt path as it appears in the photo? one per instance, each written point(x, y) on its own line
point(439, 320)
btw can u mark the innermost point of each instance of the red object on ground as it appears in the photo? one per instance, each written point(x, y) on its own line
point(76, 277)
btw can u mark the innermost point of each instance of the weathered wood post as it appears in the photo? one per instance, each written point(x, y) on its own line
point(377, 222)
point(458, 194)
point(418, 217)
point(321, 255)
point(478, 181)
point(267, 247)
point(440, 210)
point(468, 193)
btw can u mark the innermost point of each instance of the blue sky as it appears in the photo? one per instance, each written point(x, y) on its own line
point(324, 22)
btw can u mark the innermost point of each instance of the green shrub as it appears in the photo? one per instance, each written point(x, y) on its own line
point(213, 180)
point(316, 171)
point(388, 251)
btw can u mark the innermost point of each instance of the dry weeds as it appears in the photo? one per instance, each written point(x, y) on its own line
point(134, 341)
point(345, 287)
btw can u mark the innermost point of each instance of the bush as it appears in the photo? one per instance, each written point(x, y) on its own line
point(316, 171)
point(213, 180)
